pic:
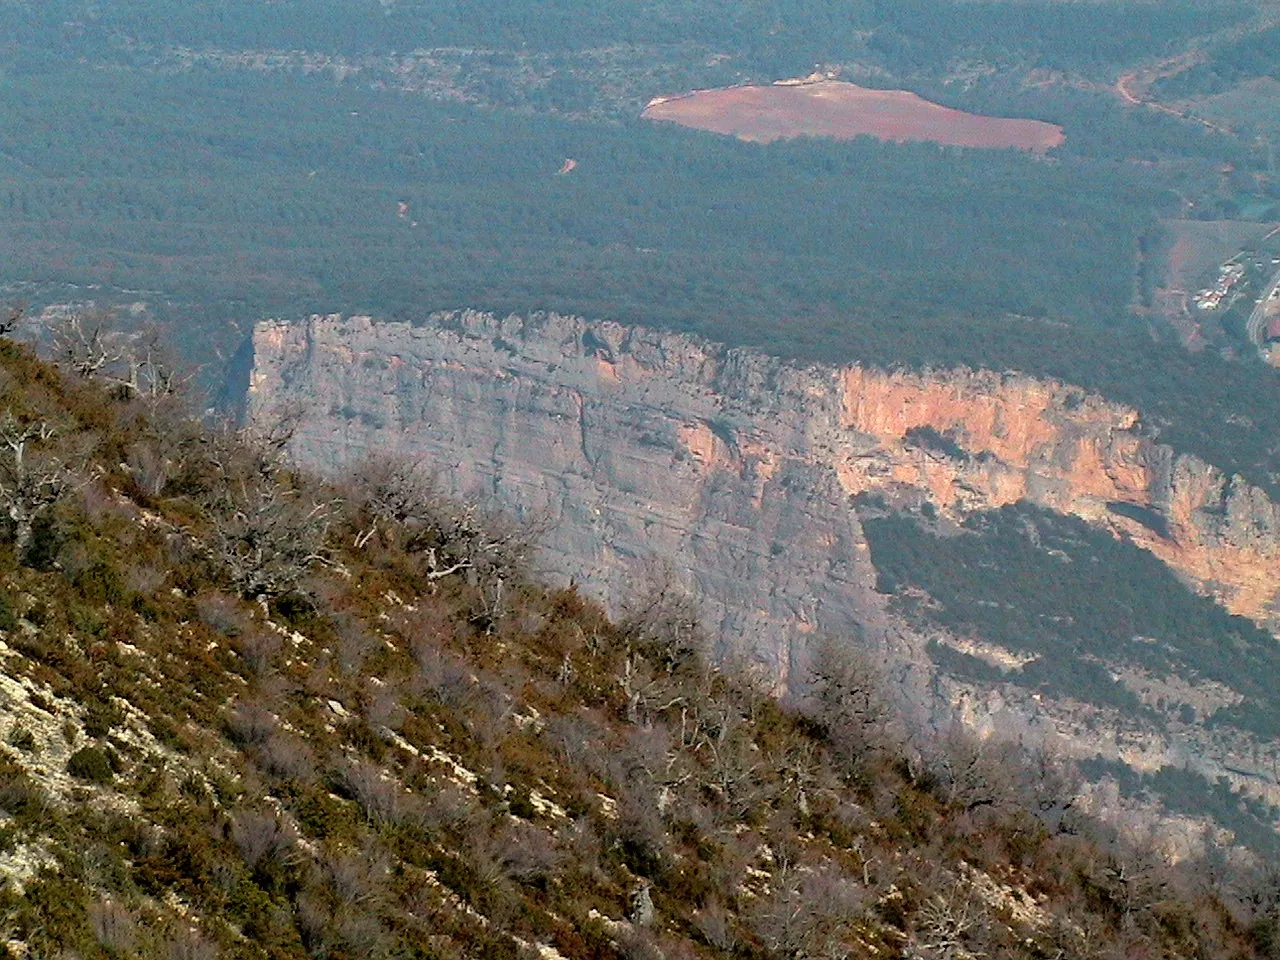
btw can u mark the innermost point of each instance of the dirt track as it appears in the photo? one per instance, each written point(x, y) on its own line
point(831, 108)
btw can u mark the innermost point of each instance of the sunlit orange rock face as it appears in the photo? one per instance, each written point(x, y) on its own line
point(740, 467)
point(1036, 440)
point(842, 111)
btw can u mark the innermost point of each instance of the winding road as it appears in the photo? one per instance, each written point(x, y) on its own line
point(1256, 328)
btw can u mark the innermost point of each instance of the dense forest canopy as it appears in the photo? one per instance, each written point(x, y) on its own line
point(920, 33)
point(146, 155)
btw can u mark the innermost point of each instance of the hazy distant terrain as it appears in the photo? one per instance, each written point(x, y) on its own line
point(231, 160)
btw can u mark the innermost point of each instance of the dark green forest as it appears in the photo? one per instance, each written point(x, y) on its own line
point(918, 35)
point(302, 181)
point(219, 195)
point(1043, 583)
point(1251, 57)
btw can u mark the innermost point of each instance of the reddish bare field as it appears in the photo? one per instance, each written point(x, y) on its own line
point(832, 108)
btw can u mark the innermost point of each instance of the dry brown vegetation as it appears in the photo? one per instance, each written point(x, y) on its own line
point(373, 736)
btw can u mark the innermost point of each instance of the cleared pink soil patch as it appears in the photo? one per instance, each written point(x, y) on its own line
point(833, 108)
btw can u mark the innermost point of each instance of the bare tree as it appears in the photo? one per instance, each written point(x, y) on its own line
point(662, 622)
point(262, 837)
point(93, 345)
point(649, 692)
point(1050, 786)
point(150, 370)
point(403, 505)
point(976, 773)
point(846, 698)
point(947, 923)
point(800, 773)
point(517, 851)
point(10, 319)
point(379, 796)
point(189, 945)
point(267, 536)
point(396, 495)
point(31, 479)
point(808, 913)
point(715, 925)
point(1132, 882)
point(250, 723)
point(732, 769)
point(287, 756)
point(86, 343)
point(967, 770)
point(265, 526)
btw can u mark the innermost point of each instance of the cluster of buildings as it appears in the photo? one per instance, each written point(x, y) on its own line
point(1228, 276)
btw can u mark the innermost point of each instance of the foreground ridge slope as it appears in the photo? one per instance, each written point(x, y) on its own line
point(250, 714)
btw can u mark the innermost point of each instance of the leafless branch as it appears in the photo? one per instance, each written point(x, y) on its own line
point(31, 479)
point(93, 346)
point(11, 318)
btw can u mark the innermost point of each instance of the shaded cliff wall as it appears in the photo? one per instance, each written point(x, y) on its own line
point(740, 467)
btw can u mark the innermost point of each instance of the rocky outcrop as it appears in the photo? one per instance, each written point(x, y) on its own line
point(739, 467)
point(742, 473)
point(997, 439)
point(634, 445)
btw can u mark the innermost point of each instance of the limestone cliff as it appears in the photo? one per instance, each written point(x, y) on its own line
point(1054, 445)
point(739, 466)
point(740, 471)
point(636, 445)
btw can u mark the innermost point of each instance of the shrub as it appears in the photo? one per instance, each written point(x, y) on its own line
point(221, 613)
point(8, 619)
point(91, 764)
point(19, 796)
point(113, 927)
point(100, 717)
point(22, 738)
point(378, 796)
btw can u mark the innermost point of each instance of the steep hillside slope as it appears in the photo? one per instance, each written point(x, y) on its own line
point(247, 714)
point(759, 477)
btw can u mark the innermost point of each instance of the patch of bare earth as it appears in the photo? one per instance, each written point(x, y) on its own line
point(834, 108)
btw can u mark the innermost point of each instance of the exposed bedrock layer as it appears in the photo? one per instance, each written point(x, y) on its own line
point(740, 471)
point(635, 445)
point(738, 466)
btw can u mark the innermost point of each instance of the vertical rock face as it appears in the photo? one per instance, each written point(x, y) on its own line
point(1010, 438)
point(634, 445)
point(740, 472)
point(739, 467)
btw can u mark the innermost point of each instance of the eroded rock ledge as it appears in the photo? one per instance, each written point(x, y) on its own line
point(740, 471)
point(739, 466)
